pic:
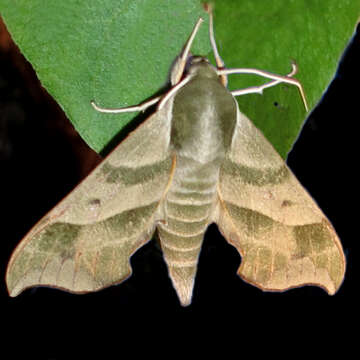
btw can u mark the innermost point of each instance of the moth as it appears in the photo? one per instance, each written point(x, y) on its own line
point(195, 161)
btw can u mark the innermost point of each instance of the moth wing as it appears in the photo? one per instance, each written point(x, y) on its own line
point(283, 237)
point(85, 242)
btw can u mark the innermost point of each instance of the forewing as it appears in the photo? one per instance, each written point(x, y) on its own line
point(283, 237)
point(85, 242)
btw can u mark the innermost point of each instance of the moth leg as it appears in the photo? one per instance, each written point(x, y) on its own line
point(173, 90)
point(278, 79)
point(141, 107)
point(179, 65)
point(259, 89)
point(219, 61)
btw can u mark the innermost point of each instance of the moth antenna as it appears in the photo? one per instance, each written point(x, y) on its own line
point(189, 42)
point(181, 61)
point(219, 61)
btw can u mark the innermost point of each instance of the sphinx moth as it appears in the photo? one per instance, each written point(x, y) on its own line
point(195, 161)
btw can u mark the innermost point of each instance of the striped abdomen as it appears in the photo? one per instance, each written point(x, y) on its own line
point(188, 211)
point(202, 125)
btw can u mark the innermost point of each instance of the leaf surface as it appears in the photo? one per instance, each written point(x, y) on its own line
point(269, 35)
point(117, 53)
point(120, 53)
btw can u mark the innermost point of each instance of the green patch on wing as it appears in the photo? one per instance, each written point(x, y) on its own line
point(257, 177)
point(135, 175)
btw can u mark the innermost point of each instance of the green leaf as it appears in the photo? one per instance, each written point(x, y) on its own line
point(270, 34)
point(119, 53)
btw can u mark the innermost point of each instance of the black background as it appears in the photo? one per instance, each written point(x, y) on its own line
point(42, 159)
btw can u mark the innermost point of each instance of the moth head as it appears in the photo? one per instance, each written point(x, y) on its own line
point(200, 66)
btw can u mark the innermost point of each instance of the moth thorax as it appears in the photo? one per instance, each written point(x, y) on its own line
point(204, 117)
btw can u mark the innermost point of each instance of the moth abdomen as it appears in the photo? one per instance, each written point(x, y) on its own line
point(181, 252)
point(188, 210)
